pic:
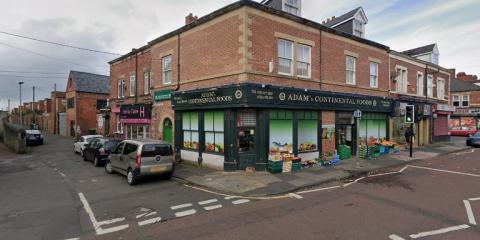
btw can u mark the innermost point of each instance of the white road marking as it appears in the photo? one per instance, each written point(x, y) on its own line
point(383, 174)
point(439, 231)
point(471, 217)
point(395, 237)
point(96, 225)
point(93, 180)
point(229, 197)
point(240, 201)
point(72, 239)
point(150, 214)
point(319, 189)
point(403, 169)
point(185, 213)
point(150, 221)
point(293, 195)
point(446, 171)
point(140, 215)
point(208, 208)
point(208, 201)
point(181, 206)
point(62, 174)
point(474, 199)
point(115, 220)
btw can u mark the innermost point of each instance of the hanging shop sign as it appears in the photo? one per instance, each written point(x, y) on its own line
point(255, 95)
point(162, 95)
point(138, 113)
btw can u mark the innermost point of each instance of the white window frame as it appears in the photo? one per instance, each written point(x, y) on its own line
point(286, 5)
point(347, 70)
point(280, 40)
point(119, 125)
point(121, 88)
point(133, 85)
point(357, 27)
point(307, 61)
point(468, 101)
point(459, 100)
point(429, 85)
point(441, 90)
point(374, 75)
point(402, 79)
point(147, 82)
point(420, 85)
point(167, 71)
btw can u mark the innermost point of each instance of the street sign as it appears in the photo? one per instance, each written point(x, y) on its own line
point(357, 114)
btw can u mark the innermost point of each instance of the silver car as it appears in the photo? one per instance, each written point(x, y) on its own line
point(137, 158)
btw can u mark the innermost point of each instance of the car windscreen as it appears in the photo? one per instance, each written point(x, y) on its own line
point(110, 145)
point(152, 150)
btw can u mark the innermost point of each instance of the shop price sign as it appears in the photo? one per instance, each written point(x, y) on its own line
point(357, 114)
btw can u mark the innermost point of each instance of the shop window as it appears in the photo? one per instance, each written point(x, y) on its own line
point(373, 128)
point(307, 131)
point(281, 133)
point(190, 130)
point(285, 57)
point(214, 128)
point(137, 131)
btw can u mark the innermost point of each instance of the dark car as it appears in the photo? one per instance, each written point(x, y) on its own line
point(474, 140)
point(98, 150)
point(33, 137)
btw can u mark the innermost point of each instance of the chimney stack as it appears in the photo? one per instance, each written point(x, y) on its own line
point(190, 18)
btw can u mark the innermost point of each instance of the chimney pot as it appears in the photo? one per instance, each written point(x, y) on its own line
point(190, 18)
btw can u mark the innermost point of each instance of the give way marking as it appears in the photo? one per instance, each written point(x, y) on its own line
point(97, 225)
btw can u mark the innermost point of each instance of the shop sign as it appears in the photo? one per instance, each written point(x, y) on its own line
point(137, 111)
point(445, 108)
point(268, 96)
point(162, 95)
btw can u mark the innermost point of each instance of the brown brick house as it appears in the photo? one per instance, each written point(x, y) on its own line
point(58, 105)
point(466, 101)
point(250, 82)
point(85, 95)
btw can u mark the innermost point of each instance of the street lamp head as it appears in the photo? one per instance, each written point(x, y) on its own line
point(20, 83)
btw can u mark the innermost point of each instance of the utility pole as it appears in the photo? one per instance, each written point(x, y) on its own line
point(33, 104)
point(9, 112)
point(20, 107)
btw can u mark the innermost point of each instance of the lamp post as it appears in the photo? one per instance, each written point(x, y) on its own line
point(20, 86)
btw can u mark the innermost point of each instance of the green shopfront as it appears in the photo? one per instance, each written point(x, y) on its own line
point(239, 126)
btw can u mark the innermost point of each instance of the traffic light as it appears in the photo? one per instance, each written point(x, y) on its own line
point(409, 114)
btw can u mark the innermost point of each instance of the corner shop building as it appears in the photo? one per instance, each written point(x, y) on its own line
point(243, 125)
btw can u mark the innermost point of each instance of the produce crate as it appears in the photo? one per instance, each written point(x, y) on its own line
point(296, 167)
point(275, 166)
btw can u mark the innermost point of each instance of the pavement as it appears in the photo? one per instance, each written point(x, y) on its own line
point(262, 183)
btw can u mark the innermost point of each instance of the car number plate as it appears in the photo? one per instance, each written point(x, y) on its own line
point(158, 169)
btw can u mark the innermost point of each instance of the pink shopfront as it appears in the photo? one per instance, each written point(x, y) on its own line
point(136, 121)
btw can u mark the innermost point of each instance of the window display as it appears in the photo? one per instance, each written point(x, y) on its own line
point(307, 131)
point(214, 137)
point(190, 130)
point(373, 128)
point(281, 134)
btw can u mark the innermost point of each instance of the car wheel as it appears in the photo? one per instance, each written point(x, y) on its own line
point(96, 161)
point(108, 168)
point(83, 156)
point(131, 178)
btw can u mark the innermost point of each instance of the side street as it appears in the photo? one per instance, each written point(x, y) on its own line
point(239, 119)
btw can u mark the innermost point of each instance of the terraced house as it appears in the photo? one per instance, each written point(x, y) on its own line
point(252, 81)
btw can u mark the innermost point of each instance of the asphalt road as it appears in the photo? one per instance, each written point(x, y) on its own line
point(53, 194)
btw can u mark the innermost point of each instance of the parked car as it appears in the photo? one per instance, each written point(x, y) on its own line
point(462, 131)
point(138, 158)
point(98, 150)
point(79, 146)
point(474, 140)
point(33, 137)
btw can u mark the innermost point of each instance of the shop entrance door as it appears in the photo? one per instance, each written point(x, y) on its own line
point(167, 131)
point(346, 135)
point(246, 130)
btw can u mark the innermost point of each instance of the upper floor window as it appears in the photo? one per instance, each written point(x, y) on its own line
point(303, 60)
point(71, 103)
point(292, 6)
point(440, 88)
point(429, 86)
point(147, 82)
point(373, 74)
point(121, 88)
point(285, 57)
point(402, 80)
point(420, 91)
point(465, 101)
point(456, 101)
point(351, 63)
point(167, 69)
point(357, 28)
point(133, 85)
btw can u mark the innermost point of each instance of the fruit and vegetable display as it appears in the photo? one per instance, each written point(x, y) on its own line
point(308, 146)
point(190, 145)
point(210, 147)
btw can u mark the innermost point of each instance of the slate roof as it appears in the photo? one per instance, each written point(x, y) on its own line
point(420, 50)
point(342, 18)
point(457, 85)
point(89, 82)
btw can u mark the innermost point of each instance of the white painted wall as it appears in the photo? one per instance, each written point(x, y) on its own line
point(213, 161)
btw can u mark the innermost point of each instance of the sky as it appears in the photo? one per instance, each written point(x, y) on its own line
point(117, 26)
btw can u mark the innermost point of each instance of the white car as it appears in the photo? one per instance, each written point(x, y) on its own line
point(79, 146)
